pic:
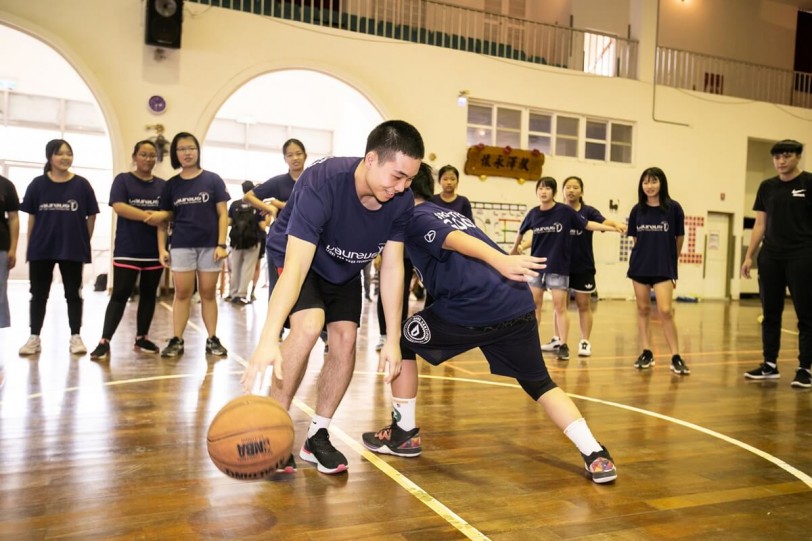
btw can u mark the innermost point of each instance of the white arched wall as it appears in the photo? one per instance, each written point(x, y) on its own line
point(704, 156)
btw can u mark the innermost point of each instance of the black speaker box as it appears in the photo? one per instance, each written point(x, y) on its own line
point(164, 22)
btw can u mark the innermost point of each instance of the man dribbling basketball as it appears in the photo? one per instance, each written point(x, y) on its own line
point(342, 213)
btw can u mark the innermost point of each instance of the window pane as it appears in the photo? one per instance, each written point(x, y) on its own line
point(595, 130)
point(507, 138)
point(566, 147)
point(595, 151)
point(267, 136)
point(83, 116)
point(540, 143)
point(508, 118)
point(479, 114)
point(541, 123)
point(479, 135)
point(315, 141)
point(226, 131)
point(90, 150)
point(621, 133)
point(25, 144)
point(567, 126)
point(24, 108)
point(621, 154)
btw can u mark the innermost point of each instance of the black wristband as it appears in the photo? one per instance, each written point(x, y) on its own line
point(223, 246)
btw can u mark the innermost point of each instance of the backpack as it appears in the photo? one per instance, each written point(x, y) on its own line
point(245, 232)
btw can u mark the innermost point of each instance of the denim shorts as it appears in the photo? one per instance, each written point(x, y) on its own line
point(551, 281)
point(194, 259)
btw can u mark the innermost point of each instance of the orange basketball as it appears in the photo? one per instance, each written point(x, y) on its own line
point(249, 436)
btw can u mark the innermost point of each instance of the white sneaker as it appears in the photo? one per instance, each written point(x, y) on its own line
point(77, 347)
point(381, 342)
point(32, 347)
point(584, 348)
point(552, 345)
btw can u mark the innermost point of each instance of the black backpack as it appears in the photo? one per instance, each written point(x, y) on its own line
point(245, 232)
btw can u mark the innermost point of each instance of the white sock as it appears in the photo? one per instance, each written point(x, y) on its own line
point(404, 411)
point(317, 423)
point(579, 434)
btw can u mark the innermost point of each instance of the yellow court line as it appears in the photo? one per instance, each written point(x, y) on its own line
point(411, 487)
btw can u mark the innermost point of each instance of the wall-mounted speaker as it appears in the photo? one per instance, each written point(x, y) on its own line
point(164, 22)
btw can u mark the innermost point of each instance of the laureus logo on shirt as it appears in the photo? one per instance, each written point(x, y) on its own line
point(351, 256)
point(455, 220)
point(416, 330)
point(202, 197)
point(554, 228)
point(144, 203)
point(576, 232)
point(661, 227)
point(68, 206)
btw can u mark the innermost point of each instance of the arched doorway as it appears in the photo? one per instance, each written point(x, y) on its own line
point(244, 141)
point(44, 98)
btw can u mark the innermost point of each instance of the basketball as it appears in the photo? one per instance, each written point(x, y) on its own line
point(249, 436)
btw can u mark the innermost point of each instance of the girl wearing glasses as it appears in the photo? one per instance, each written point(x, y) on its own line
point(194, 201)
point(135, 196)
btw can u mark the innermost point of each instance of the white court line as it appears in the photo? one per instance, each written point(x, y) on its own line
point(795, 472)
point(411, 487)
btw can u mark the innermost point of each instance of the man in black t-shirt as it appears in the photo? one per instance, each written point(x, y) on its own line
point(784, 223)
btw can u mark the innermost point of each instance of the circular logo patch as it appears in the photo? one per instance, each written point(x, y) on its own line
point(416, 330)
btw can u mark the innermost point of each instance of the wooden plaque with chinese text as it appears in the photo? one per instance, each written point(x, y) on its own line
point(504, 162)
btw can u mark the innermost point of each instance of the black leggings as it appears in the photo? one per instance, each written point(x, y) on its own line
point(40, 275)
point(124, 278)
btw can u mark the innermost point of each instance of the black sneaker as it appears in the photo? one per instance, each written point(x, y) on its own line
point(393, 440)
point(563, 352)
point(645, 360)
point(321, 452)
point(214, 347)
point(142, 343)
point(173, 348)
point(802, 378)
point(288, 466)
point(600, 467)
point(101, 352)
point(678, 366)
point(765, 371)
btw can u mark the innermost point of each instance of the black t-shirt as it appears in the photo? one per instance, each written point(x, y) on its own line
point(788, 205)
point(9, 202)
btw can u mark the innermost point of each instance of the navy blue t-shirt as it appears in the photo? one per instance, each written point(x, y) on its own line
point(655, 250)
point(461, 204)
point(194, 204)
point(61, 210)
point(466, 291)
point(583, 258)
point(551, 235)
point(788, 205)
point(324, 210)
point(278, 187)
point(135, 239)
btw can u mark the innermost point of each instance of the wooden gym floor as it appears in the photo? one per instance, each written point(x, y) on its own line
point(117, 450)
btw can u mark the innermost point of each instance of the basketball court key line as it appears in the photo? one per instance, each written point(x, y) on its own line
point(795, 472)
point(411, 487)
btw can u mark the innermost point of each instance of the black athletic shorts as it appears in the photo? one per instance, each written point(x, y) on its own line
point(512, 347)
point(340, 302)
point(650, 281)
point(582, 282)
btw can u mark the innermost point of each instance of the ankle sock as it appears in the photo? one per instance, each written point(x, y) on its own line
point(403, 410)
point(578, 432)
point(317, 423)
